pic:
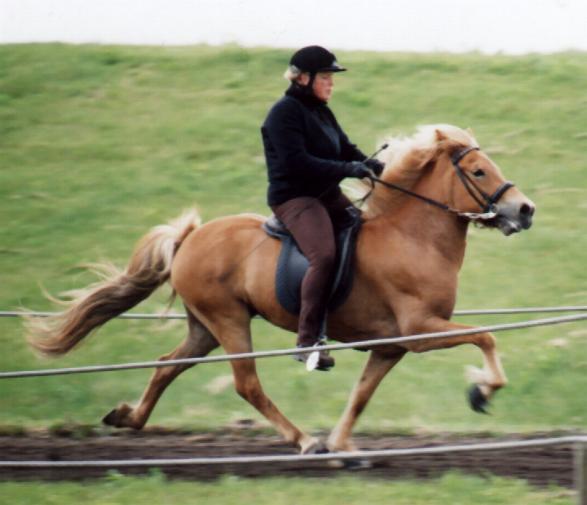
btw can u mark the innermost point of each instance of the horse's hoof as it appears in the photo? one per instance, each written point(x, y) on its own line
point(110, 418)
point(117, 416)
point(357, 464)
point(317, 447)
point(477, 400)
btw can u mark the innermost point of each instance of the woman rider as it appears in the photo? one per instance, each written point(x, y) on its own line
point(308, 155)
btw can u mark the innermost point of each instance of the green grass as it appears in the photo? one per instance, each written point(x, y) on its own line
point(453, 488)
point(98, 144)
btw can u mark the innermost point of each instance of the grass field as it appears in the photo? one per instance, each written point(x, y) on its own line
point(453, 488)
point(98, 144)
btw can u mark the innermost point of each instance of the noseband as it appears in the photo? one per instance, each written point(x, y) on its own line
point(486, 202)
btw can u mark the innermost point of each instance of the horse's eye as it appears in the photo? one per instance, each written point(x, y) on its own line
point(478, 173)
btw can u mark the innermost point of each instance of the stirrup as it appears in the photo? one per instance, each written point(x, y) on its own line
point(317, 360)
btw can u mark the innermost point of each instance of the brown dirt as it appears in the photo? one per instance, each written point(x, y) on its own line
point(540, 466)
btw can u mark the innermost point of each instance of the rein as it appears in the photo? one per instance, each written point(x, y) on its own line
point(486, 202)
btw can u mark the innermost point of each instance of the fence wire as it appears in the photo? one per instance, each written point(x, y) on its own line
point(468, 312)
point(296, 458)
point(285, 352)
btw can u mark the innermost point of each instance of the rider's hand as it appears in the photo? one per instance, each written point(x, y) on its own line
point(375, 165)
point(357, 169)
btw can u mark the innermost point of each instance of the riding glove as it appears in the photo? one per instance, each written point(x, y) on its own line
point(357, 169)
point(375, 165)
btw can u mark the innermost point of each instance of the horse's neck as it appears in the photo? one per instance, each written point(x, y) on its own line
point(438, 226)
point(430, 227)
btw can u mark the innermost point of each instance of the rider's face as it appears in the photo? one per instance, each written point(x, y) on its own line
point(323, 85)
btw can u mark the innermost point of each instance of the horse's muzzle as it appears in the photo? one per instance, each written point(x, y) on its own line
point(514, 216)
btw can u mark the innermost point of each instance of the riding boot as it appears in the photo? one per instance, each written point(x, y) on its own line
point(319, 359)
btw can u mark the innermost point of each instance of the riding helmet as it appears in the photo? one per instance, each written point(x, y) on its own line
point(315, 59)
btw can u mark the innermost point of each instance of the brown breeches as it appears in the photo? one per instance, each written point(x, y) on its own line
point(313, 224)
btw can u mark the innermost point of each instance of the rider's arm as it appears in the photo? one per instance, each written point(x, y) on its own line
point(348, 150)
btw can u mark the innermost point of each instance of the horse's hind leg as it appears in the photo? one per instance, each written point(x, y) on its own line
point(376, 369)
point(199, 342)
point(234, 334)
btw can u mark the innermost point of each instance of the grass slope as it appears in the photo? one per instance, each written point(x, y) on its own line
point(98, 144)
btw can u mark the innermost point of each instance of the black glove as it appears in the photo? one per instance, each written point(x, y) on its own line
point(357, 169)
point(375, 165)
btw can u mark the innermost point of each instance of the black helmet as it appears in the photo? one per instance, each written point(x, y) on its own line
point(315, 59)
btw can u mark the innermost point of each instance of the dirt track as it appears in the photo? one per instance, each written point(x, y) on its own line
point(537, 465)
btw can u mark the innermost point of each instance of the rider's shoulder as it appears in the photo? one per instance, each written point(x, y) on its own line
point(285, 106)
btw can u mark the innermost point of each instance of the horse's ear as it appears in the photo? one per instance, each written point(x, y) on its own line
point(440, 136)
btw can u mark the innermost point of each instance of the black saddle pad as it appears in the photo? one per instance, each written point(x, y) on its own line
point(292, 264)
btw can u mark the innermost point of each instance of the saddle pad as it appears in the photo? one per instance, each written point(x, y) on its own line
point(292, 266)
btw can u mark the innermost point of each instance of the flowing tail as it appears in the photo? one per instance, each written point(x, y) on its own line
point(118, 291)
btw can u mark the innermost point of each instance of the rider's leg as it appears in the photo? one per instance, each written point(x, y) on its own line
point(308, 221)
point(337, 205)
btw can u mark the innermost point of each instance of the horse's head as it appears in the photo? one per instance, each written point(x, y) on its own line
point(478, 188)
point(444, 166)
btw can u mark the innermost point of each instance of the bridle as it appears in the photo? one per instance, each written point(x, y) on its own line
point(485, 201)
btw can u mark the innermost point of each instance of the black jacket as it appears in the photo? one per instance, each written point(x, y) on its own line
point(305, 148)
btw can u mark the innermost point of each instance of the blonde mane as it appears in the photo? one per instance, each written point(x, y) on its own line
point(405, 158)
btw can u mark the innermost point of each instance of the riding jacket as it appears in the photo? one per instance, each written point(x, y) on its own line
point(306, 150)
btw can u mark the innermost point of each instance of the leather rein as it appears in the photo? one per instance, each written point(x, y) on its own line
point(485, 201)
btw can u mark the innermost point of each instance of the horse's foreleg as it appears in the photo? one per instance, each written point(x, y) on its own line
point(375, 370)
point(234, 335)
point(198, 343)
point(487, 380)
point(249, 387)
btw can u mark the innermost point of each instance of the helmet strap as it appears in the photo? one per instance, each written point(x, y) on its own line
point(309, 88)
point(307, 91)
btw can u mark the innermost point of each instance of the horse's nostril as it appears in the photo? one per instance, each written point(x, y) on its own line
point(526, 210)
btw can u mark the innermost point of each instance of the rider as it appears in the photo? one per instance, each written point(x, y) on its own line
point(308, 155)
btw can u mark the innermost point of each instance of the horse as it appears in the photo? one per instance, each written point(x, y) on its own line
point(409, 251)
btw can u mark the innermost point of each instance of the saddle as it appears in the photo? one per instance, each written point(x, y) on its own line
point(292, 264)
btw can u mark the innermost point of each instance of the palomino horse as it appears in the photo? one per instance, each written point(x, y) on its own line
point(408, 257)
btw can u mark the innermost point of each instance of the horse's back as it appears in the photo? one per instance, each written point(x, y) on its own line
point(228, 257)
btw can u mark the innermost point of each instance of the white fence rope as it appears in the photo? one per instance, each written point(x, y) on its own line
point(131, 315)
point(285, 352)
point(521, 310)
point(295, 458)
point(469, 312)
